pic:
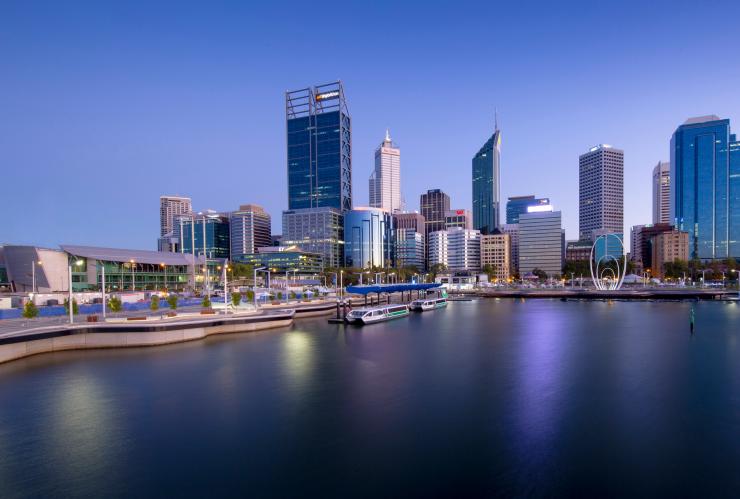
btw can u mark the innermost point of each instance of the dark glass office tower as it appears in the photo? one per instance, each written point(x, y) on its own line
point(705, 187)
point(434, 206)
point(319, 148)
point(518, 205)
point(487, 185)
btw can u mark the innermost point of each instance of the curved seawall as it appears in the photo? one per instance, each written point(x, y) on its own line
point(134, 335)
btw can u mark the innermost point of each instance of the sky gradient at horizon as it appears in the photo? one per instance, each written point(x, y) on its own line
point(106, 107)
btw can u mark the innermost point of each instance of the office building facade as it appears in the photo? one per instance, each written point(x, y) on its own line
point(517, 205)
point(410, 248)
point(487, 184)
point(284, 259)
point(705, 187)
point(541, 243)
point(368, 238)
point(250, 228)
point(641, 245)
point(662, 193)
point(513, 231)
point(205, 233)
point(601, 191)
point(495, 250)
point(459, 218)
point(385, 181)
point(433, 205)
point(169, 208)
point(316, 230)
point(457, 249)
point(319, 142)
point(414, 221)
point(670, 246)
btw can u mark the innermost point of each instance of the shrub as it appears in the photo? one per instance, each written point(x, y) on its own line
point(206, 301)
point(236, 298)
point(75, 308)
point(172, 300)
point(292, 295)
point(114, 303)
point(280, 295)
point(250, 295)
point(30, 310)
point(154, 305)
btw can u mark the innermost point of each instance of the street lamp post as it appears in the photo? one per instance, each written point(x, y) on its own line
point(226, 288)
point(102, 287)
point(164, 288)
point(341, 284)
point(34, 288)
point(133, 275)
point(254, 286)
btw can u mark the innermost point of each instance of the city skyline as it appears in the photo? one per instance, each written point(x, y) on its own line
point(155, 135)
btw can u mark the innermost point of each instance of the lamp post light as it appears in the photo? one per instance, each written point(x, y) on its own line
point(703, 271)
point(102, 287)
point(341, 283)
point(70, 301)
point(34, 288)
point(254, 287)
point(133, 275)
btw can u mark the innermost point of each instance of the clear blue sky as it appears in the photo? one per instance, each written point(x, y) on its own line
point(104, 106)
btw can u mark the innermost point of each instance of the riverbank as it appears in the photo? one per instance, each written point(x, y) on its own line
point(591, 294)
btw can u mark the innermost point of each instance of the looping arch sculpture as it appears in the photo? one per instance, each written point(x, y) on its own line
point(614, 282)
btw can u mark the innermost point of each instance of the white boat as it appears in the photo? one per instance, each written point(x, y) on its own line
point(425, 304)
point(377, 314)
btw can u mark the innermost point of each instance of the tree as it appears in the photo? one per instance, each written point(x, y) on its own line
point(292, 295)
point(154, 304)
point(250, 295)
point(490, 271)
point(206, 301)
point(114, 303)
point(437, 268)
point(540, 274)
point(280, 295)
point(30, 310)
point(75, 308)
point(236, 298)
point(172, 301)
point(675, 269)
point(239, 270)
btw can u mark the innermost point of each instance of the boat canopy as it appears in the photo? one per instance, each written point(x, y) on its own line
point(366, 289)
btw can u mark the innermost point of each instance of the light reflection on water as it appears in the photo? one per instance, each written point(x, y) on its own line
point(483, 398)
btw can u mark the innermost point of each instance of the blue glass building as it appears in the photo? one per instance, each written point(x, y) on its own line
point(487, 185)
point(368, 238)
point(319, 142)
point(204, 234)
point(705, 187)
point(518, 205)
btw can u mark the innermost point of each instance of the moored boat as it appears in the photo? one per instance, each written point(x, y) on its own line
point(371, 315)
point(424, 304)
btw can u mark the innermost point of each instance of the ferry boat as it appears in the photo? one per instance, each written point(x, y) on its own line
point(371, 315)
point(425, 304)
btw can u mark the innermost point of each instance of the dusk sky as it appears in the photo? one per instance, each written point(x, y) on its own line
point(105, 106)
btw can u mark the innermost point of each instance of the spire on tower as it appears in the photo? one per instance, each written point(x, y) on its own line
point(495, 119)
point(387, 135)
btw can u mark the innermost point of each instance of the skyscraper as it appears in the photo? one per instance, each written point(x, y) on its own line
point(662, 193)
point(541, 242)
point(487, 184)
point(368, 238)
point(249, 228)
point(169, 208)
point(517, 205)
point(316, 230)
point(385, 181)
point(319, 148)
point(433, 206)
point(459, 218)
point(705, 187)
point(601, 191)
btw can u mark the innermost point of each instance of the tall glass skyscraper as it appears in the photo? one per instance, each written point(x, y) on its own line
point(319, 148)
point(487, 185)
point(705, 187)
point(368, 238)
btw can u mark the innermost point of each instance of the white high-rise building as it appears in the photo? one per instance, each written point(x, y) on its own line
point(455, 248)
point(662, 193)
point(169, 207)
point(541, 242)
point(601, 191)
point(385, 181)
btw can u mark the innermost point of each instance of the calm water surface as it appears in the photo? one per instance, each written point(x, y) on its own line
point(487, 398)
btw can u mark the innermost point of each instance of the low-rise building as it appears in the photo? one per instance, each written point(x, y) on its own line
point(456, 248)
point(513, 231)
point(282, 259)
point(316, 230)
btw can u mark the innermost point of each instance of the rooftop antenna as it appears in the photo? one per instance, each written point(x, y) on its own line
point(495, 119)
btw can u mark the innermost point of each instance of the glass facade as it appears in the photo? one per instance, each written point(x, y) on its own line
point(368, 238)
point(205, 235)
point(410, 248)
point(286, 260)
point(486, 185)
point(319, 148)
point(609, 246)
point(515, 206)
point(316, 230)
point(705, 182)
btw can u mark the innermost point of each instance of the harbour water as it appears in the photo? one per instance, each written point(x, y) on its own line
point(484, 398)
